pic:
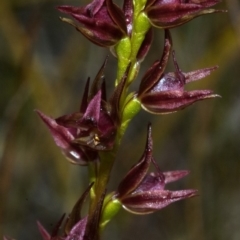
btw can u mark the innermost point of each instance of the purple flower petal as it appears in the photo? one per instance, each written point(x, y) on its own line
point(45, 235)
point(64, 139)
point(75, 216)
point(150, 201)
point(154, 73)
point(147, 42)
point(78, 231)
point(138, 172)
point(199, 74)
point(172, 101)
point(173, 176)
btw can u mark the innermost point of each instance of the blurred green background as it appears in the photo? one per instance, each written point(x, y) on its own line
point(44, 64)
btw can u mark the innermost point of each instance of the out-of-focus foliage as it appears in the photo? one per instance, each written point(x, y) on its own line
point(44, 64)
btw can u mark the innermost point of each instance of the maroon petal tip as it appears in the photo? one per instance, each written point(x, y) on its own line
point(45, 235)
point(173, 176)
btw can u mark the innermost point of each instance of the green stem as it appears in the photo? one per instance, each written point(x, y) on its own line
point(126, 51)
point(107, 159)
point(92, 172)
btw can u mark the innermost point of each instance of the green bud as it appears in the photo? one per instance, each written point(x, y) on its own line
point(142, 23)
point(123, 52)
point(133, 72)
point(139, 5)
point(109, 211)
point(140, 29)
point(132, 107)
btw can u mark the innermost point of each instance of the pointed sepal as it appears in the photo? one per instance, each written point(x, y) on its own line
point(150, 201)
point(137, 173)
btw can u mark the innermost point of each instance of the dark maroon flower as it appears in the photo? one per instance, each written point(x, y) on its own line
point(172, 13)
point(65, 139)
point(75, 227)
point(76, 233)
point(162, 93)
point(102, 21)
point(93, 128)
point(143, 193)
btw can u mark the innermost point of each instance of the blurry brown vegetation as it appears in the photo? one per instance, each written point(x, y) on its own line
point(44, 64)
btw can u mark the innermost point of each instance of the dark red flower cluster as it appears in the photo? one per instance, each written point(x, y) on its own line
point(105, 24)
